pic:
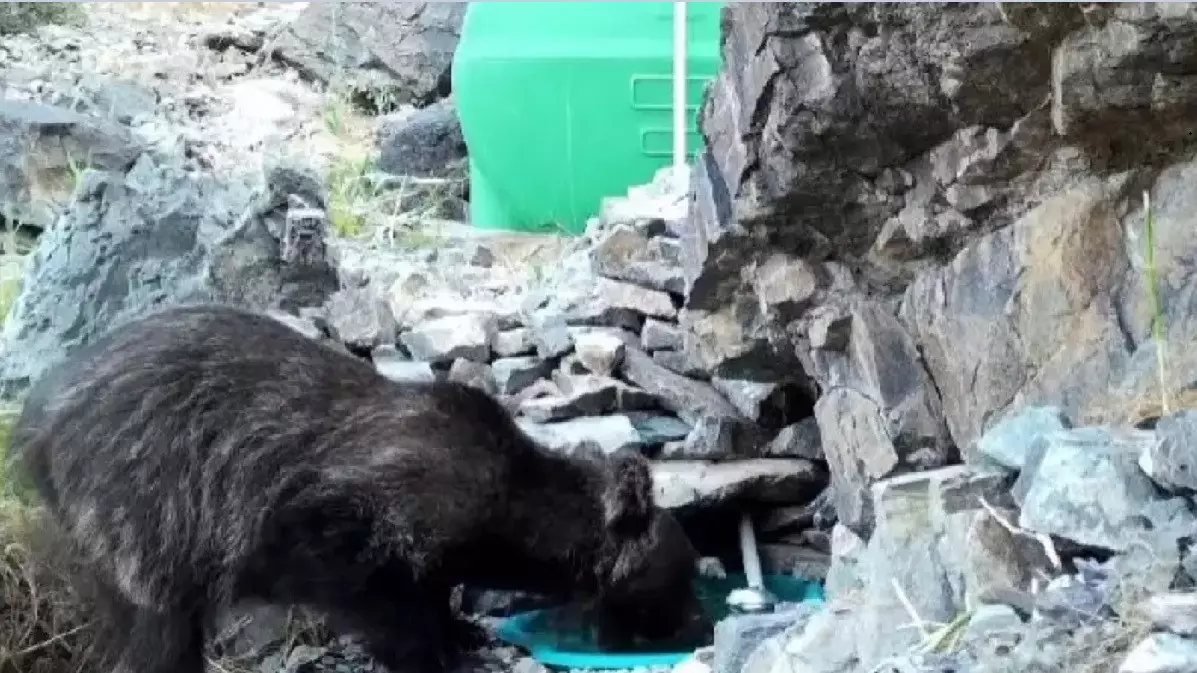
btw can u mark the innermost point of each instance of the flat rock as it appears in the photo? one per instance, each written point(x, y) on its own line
point(513, 374)
point(1174, 612)
point(602, 434)
point(446, 339)
point(738, 636)
point(393, 365)
point(689, 399)
point(681, 484)
point(612, 296)
point(625, 253)
point(551, 335)
point(657, 429)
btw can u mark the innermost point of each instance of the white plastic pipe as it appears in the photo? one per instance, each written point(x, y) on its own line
point(680, 52)
point(752, 560)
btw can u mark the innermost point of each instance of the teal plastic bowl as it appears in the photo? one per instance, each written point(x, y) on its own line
point(533, 631)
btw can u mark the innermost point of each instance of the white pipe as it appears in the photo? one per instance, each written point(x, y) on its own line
point(752, 561)
point(680, 53)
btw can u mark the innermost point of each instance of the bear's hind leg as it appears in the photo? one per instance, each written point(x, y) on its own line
point(163, 642)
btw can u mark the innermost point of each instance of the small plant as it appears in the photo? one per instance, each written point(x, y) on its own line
point(351, 188)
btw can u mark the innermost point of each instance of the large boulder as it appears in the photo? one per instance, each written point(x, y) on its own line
point(159, 235)
point(393, 52)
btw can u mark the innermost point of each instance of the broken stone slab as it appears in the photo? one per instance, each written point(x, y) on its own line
point(689, 399)
point(514, 343)
point(358, 318)
point(750, 397)
point(717, 438)
point(684, 484)
point(800, 440)
point(826, 642)
point(1174, 612)
point(656, 429)
point(845, 573)
point(392, 364)
point(738, 636)
point(601, 434)
point(514, 374)
point(599, 352)
point(1088, 488)
point(659, 335)
point(1170, 460)
point(476, 374)
point(625, 253)
point(1008, 442)
point(612, 295)
point(586, 395)
point(446, 339)
point(1161, 653)
point(551, 335)
point(859, 451)
point(678, 363)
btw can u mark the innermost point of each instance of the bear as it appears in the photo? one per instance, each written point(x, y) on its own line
point(206, 455)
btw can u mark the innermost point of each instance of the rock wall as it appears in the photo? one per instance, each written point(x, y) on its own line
point(936, 216)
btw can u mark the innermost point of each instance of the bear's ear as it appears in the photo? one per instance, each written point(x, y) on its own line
point(628, 497)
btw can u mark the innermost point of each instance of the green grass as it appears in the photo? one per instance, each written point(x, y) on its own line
point(1158, 331)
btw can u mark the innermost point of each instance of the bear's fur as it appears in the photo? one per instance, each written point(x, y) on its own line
point(206, 455)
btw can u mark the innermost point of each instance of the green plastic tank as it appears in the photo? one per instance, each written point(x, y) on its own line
point(565, 103)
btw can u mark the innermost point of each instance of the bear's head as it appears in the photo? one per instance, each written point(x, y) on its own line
point(649, 590)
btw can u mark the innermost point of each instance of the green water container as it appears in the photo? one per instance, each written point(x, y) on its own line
point(565, 103)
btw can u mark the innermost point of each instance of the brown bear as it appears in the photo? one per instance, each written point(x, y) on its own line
point(206, 455)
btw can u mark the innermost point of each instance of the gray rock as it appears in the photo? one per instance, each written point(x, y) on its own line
point(718, 438)
point(678, 363)
point(154, 237)
point(800, 440)
point(1174, 612)
point(42, 146)
point(689, 399)
point(528, 665)
point(657, 429)
point(682, 484)
point(845, 572)
point(625, 253)
point(408, 62)
point(513, 374)
point(658, 335)
point(476, 374)
point(426, 142)
point(585, 395)
point(747, 396)
point(1008, 441)
point(391, 364)
point(360, 319)
point(514, 342)
point(1169, 460)
point(1161, 653)
point(1089, 489)
point(737, 636)
point(599, 352)
point(824, 643)
point(602, 434)
point(446, 339)
point(619, 298)
point(856, 442)
point(551, 336)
